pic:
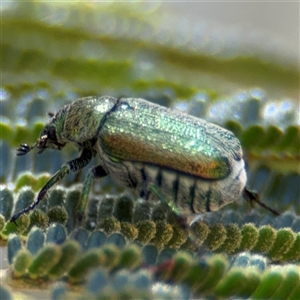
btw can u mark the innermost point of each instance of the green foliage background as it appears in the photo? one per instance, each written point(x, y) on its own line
point(54, 53)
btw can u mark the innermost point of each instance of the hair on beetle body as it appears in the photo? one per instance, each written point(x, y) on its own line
point(199, 165)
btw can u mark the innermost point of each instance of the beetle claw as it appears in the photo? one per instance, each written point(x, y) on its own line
point(23, 150)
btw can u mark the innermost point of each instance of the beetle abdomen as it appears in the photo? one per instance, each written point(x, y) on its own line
point(193, 195)
point(190, 194)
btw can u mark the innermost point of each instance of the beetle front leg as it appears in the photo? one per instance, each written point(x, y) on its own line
point(74, 166)
point(96, 172)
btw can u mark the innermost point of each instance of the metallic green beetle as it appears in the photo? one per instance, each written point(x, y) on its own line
point(197, 164)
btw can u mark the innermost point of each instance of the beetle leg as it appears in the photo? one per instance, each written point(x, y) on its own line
point(74, 166)
point(96, 172)
point(251, 197)
point(180, 220)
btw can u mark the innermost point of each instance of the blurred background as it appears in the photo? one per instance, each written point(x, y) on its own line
point(221, 46)
point(272, 26)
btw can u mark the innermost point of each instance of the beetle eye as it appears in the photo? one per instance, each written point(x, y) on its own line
point(51, 134)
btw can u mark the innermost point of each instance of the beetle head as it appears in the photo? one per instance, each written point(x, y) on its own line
point(47, 139)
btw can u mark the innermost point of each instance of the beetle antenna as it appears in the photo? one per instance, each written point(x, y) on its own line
point(254, 197)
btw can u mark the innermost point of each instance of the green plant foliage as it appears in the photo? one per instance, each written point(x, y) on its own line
point(178, 238)
point(216, 237)
point(13, 246)
point(21, 262)
point(111, 256)
point(285, 238)
point(266, 240)
point(6, 203)
point(273, 280)
point(182, 263)
point(70, 251)
point(56, 234)
point(290, 282)
point(39, 218)
point(234, 283)
point(80, 269)
point(130, 257)
point(58, 214)
point(212, 276)
point(36, 240)
point(20, 227)
point(72, 204)
point(278, 245)
point(249, 237)
point(25, 198)
point(27, 179)
point(45, 260)
point(124, 209)
point(129, 230)
point(164, 233)
point(147, 230)
point(233, 238)
point(109, 225)
point(294, 252)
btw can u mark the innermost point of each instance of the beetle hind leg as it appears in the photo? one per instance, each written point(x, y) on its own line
point(252, 197)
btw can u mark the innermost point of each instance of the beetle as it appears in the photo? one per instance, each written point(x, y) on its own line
point(142, 145)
